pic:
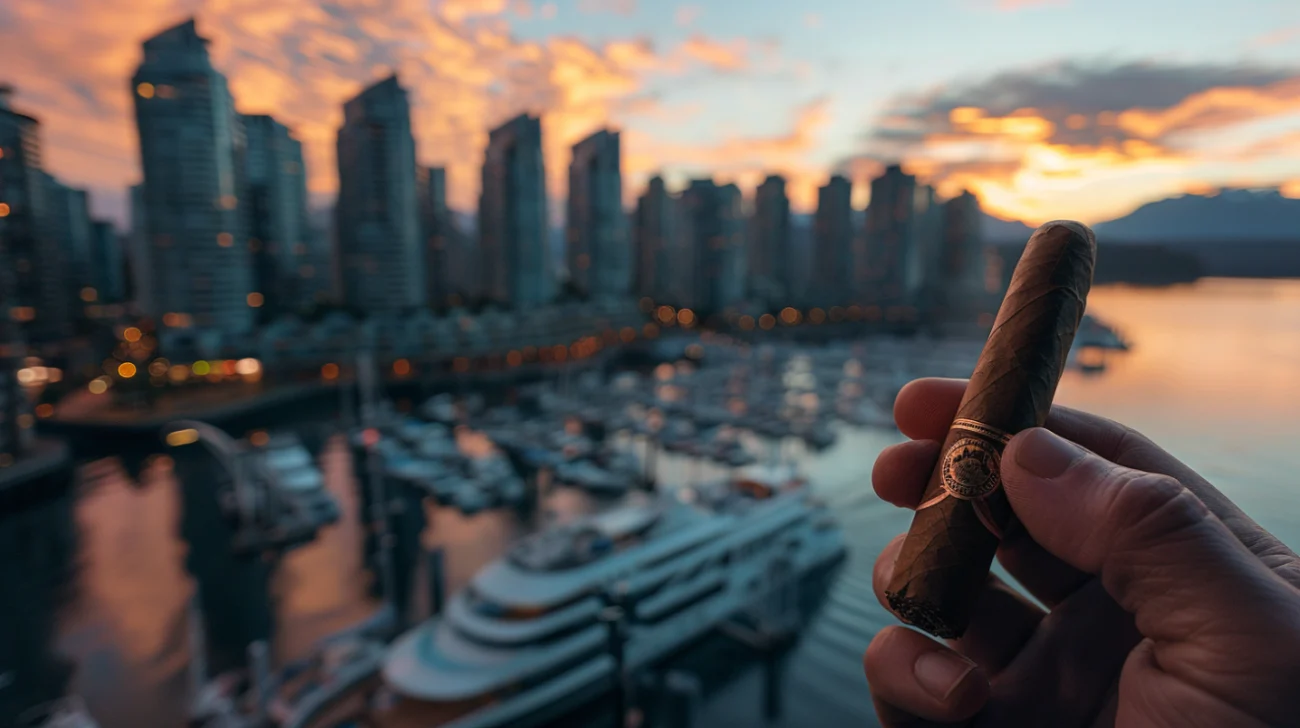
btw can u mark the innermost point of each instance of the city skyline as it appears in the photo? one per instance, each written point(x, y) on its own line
point(222, 239)
point(745, 94)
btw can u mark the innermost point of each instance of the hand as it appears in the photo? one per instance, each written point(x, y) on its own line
point(1166, 605)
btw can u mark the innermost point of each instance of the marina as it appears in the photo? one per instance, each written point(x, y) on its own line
point(341, 666)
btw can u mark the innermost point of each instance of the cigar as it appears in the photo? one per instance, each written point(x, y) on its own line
point(944, 563)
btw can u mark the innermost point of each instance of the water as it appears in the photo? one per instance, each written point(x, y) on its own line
point(97, 584)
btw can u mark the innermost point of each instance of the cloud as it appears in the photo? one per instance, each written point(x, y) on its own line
point(522, 8)
point(301, 59)
point(812, 20)
point(615, 7)
point(745, 160)
point(686, 15)
point(728, 56)
point(1025, 139)
point(459, 10)
point(1279, 37)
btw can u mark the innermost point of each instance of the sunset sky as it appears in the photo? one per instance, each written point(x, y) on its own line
point(1044, 108)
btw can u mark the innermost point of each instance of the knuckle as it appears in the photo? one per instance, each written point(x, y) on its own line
point(1151, 506)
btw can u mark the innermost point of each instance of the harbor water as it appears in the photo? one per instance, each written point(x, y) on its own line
point(98, 581)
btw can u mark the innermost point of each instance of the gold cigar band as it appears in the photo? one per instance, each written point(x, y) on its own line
point(980, 428)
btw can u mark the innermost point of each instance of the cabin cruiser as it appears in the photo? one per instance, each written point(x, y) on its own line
point(588, 475)
point(423, 457)
point(292, 473)
point(526, 629)
point(441, 408)
point(497, 479)
point(445, 409)
point(447, 485)
point(268, 487)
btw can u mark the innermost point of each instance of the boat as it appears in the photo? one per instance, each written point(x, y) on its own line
point(66, 712)
point(723, 446)
point(819, 435)
point(441, 408)
point(525, 633)
point(435, 479)
point(498, 481)
point(436, 443)
point(864, 412)
point(589, 476)
point(468, 484)
point(271, 492)
point(292, 474)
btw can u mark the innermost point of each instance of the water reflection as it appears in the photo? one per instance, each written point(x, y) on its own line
point(38, 547)
point(125, 627)
point(1212, 377)
point(102, 577)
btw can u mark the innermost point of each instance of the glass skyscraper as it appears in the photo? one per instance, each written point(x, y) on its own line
point(516, 266)
point(378, 220)
point(598, 250)
point(191, 149)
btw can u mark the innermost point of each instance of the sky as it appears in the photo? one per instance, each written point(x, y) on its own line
point(1081, 109)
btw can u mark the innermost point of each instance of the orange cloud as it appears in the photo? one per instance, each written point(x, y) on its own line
point(459, 10)
point(729, 56)
point(300, 59)
point(1086, 141)
point(1291, 189)
point(1216, 107)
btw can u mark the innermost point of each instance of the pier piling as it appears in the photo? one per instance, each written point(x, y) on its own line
point(435, 572)
point(259, 668)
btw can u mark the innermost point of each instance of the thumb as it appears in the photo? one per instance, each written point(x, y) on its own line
point(1159, 552)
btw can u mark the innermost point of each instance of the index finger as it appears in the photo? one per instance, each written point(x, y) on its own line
point(925, 409)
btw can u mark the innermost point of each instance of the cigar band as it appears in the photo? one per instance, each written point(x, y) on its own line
point(980, 428)
point(972, 466)
point(971, 469)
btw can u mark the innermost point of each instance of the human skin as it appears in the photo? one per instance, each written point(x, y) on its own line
point(1165, 604)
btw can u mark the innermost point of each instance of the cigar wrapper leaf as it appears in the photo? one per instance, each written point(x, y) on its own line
point(944, 563)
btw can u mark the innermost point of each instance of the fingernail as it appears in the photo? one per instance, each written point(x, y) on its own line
point(941, 672)
point(1046, 454)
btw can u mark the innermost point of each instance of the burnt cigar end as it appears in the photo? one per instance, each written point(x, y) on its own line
point(922, 614)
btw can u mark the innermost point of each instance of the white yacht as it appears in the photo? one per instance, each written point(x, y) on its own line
point(526, 632)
